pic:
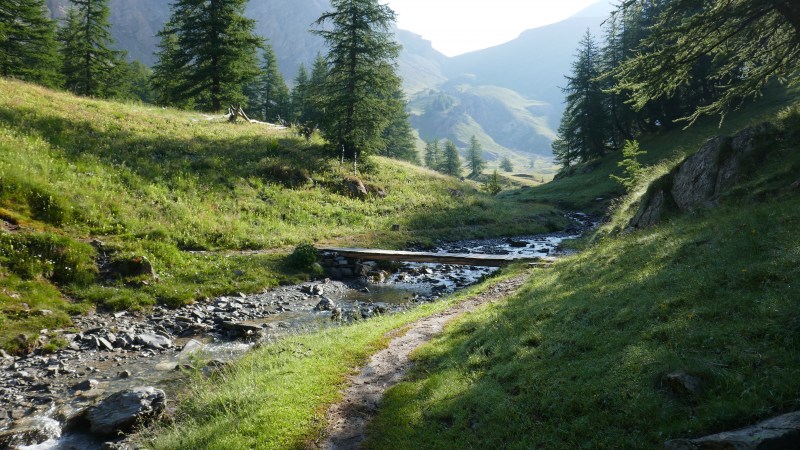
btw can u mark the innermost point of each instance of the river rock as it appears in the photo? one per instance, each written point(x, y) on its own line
point(325, 304)
point(154, 341)
point(782, 432)
point(123, 410)
point(189, 348)
point(236, 329)
point(86, 385)
point(30, 431)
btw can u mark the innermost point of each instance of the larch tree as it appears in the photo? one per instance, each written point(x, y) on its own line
point(751, 42)
point(506, 164)
point(28, 47)
point(451, 160)
point(91, 67)
point(361, 62)
point(208, 54)
point(475, 160)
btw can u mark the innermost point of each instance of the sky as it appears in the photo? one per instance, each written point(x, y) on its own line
point(460, 26)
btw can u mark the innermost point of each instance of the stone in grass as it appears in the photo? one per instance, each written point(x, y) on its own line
point(682, 384)
point(123, 410)
point(778, 433)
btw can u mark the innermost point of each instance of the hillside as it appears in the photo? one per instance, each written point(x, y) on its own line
point(677, 330)
point(88, 186)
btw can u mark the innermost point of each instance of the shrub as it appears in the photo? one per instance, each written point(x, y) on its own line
point(303, 257)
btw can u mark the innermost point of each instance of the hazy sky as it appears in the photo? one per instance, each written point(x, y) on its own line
point(460, 26)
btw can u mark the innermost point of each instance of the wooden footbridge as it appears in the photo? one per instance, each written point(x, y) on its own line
point(464, 259)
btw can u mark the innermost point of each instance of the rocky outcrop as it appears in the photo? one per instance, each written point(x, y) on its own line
point(122, 411)
point(704, 177)
point(782, 432)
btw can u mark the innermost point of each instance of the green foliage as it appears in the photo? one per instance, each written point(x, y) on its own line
point(28, 48)
point(303, 257)
point(398, 136)
point(492, 184)
point(269, 96)
point(631, 167)
point(361, 75)
point(433, 154)
point(475, 161)
point(91, 67)
point(583, 132)
point(506, 165)
point(736, 48)
point(451, 160)
point(207, 54)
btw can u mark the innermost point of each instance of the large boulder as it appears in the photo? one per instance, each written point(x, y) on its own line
point(778, 433)
point(704, 177)
point(122, 411)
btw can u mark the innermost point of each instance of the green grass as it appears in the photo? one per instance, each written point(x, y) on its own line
point(277, 396)
point(577, 358)
point(160, 183)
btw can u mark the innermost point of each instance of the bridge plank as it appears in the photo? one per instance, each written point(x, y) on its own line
point(467, 259)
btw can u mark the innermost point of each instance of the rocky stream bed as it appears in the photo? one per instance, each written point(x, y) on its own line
point(61, 400)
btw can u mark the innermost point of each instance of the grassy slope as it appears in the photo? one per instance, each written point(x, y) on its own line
point(577, 358)
point(276, 397)
point(158, 182)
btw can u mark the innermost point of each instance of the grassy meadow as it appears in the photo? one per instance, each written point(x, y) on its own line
point(190, 193)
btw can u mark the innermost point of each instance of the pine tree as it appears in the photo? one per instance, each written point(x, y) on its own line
point(317, 91)
point(475, 159)
point(271, 95)
point(398, 136)
point(28, 48)
point(451, 164)
point(213, 51)
point(91, 67)
point(506, 165)
point(583, 132)
point(433, 154)
point(361, 74)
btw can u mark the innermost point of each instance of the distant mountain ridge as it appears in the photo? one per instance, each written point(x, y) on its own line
point(508, 95)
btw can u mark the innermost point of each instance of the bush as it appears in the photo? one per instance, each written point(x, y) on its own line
point(303, 257)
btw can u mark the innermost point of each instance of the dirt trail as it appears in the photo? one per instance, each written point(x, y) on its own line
point(348, 419)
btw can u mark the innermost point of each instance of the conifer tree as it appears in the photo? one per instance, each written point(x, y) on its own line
point(91, 67)
point(271, 95)
point(301, 108)
point(475, 159)
point(583, 132)
point(433, 154)
point(751, 41)
point(506, 165)
point(361, 74)
point(28, 48)
point(213, 54)
point(398, 135)
point(317, 91)
point(451, 164)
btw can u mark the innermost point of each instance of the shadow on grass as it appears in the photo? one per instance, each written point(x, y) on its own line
point(576, 359)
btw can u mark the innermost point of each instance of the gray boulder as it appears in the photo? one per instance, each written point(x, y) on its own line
point(778, 433)
point(122, 411)
point(154, 341)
